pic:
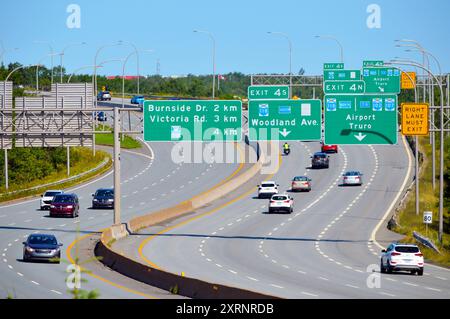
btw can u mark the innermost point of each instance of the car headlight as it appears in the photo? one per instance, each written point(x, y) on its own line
point(95, 200)
point(52, 206)
point(110, 200)
point(29, 249)
point(69, 207)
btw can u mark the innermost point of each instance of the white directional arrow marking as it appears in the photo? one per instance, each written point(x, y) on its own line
point(381, 89)
point(360, 136)
point(284, 132)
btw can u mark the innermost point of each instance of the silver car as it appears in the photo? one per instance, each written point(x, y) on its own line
point(42, 247)
point(301, 183)
point(352, 178)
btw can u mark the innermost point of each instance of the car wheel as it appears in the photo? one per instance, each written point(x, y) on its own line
point(389, 269)
point(420, 272)
point(382, 269)
point(25, 258)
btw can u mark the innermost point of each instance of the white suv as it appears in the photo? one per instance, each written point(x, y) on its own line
point(402, 257)
point(47, 198)
point(281, 202)
point(267, 189)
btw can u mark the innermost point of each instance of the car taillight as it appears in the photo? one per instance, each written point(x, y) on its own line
point(286, 201)
point(418, 255)
point(272, 201)
point(395, 254)
point(345, 178)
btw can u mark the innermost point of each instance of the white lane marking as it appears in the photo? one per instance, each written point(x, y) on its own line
point(12, 224)
point(218, 265)
point(351, 286)
point(301, 272)
point(276, 286)
point(62, 225)
point(323, 278)
point(309, 294)
point(232, 271)
point(387, 294)
point(409, 284)
point(441, 278)
point(21, 275)
point(34, 282)
point(251, 278)
point(56, 292)
point(390, 279)
point(10, 267)
point(434, 289)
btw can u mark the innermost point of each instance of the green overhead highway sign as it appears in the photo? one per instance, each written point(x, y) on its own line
point(333, 66)
point(360, 119)
point(382, 80)
point(373, 63)
point(266, 92)
point(344, 87)
point(192, 120)
point(284, 120)
point(341, 75)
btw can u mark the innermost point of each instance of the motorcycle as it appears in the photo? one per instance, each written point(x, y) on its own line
point(287, 151)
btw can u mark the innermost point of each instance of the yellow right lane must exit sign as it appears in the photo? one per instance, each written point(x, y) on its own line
point(415, 118)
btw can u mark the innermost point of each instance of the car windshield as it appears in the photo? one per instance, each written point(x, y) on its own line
point(51, 194)
point(42, 239)
point(320, 156)
point(407, 249)
point(105, 192)
point(63, 199)
point(352, 174)
point(268, 185)
point(279, 197)
point(300, 179)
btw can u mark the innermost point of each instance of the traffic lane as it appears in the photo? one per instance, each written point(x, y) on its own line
point(26, 274)
point(301, 243)
point(363, 217)
point(90, 226)
point(245, 207)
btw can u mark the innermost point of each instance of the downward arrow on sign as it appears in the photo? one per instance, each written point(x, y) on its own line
point(360, 136)
point(381, 89)
point(284, 132)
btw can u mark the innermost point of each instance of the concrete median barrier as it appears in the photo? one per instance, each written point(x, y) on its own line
point(174, 283)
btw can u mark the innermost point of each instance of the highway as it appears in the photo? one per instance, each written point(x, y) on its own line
point(150, 181)
point(322, 250)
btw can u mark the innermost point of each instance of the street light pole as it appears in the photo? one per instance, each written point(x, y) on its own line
point(37, 68)
point(290, 59)
point(51, 52)
point(213, 59)
point(61, 57)
point(341, 48)
point(441, 155)
point(4, 101)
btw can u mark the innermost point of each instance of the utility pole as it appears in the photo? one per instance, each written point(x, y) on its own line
point(116, 166)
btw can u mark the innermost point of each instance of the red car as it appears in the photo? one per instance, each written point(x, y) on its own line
point(65, 205)
point(329, 148)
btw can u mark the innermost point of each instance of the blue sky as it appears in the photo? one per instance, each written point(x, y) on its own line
point(239, 27)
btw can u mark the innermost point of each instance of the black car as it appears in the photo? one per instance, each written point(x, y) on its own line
point(103, 197)
point(42, 247)
point(320, 160)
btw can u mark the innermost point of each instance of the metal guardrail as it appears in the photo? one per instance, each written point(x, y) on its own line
point(103, 164)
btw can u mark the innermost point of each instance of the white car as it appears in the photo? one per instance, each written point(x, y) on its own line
point(47, 198)
point(402, 257)
point(267, 189)
point(352, 178)
point(281, 203)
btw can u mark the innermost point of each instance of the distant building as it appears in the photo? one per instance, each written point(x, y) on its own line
point(127, 77)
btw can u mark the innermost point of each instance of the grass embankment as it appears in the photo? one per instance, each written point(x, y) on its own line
point(108, 139)
point(428, 201)
point(82, 160)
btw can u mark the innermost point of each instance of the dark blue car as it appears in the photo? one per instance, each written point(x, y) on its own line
point(101, 116)
point(103, 198)
point(42, 247)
